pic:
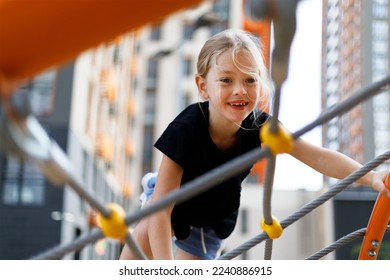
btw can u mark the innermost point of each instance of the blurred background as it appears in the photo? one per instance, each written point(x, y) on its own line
point(107, 107)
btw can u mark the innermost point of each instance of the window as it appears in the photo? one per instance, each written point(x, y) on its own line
point(117, 55)
point(86, 165)
point(185, 100)
point(222, 8)
point(380, 47)
point(380, 30)
point(149, 112)
point(150, 104)
point(187, 67)
point(216, 28)
point(155, 32)
point(188, 29)
point(152, 73)
point(148, 149)
point(10, 192)
point(32, 192)
point(42, 92)
point(244, 221)
point(380, 9)
point(23, 183)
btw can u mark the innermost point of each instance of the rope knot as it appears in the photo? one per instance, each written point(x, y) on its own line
point(274, 230)
point(279, 142)
point(113, 226)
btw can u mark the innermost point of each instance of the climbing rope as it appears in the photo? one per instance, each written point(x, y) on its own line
point(26, 138)
point(340, 243)
point(60, 251)
point(272, 134)
point(340, 186)
point(55, 161)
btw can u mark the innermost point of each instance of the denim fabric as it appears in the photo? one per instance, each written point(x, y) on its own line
point(193, 243)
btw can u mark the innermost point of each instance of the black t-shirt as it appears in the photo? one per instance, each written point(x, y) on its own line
point(188, 143)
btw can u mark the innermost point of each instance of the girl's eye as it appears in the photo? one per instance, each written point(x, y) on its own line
point(225, 80)
point(251, 80)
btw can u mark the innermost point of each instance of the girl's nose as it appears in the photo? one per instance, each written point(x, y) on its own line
point(239, 89)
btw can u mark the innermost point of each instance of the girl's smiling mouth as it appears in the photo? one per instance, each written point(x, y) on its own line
point(238, 104)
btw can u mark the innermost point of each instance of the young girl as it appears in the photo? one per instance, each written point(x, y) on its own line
point(231, 75)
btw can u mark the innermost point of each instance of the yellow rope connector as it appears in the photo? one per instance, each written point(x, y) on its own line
point(273, 230)
point(114, 226)
point(278, 142)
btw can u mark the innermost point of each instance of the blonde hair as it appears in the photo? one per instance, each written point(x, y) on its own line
point(236, 40)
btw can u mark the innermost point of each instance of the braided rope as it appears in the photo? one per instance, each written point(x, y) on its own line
point(188, 190)
point(343, 107)
point(339, 243)
point(269, 179)
point(358, 97)
point(58, 252)
point(268, 249)
point(283, 40)
point(231, 168)
point(340, 186)
point(80, 189)
point(202, 183)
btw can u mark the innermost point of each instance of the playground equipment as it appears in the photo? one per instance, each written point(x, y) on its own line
point(377, 224)
point(39, 39)
point(35, 35)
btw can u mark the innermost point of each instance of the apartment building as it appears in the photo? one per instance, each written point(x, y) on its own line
point(122, 95)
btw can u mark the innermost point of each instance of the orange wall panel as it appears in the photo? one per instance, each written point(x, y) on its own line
point(36, 35)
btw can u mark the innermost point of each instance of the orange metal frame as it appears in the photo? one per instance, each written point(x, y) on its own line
point(376, 227)
point(261, 28)
point(35, 35)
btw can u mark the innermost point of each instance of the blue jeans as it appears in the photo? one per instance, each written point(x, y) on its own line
point(202, 242)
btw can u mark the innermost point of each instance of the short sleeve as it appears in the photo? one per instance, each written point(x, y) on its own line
point(176, 142)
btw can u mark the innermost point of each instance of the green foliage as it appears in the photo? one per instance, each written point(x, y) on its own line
point(384, 251)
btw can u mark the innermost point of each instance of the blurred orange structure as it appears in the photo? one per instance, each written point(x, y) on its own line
point(376, 228)
point(261, 29)
point(36, 35)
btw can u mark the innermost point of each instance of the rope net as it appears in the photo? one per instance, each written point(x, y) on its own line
point(25, 137)
point(52, 159)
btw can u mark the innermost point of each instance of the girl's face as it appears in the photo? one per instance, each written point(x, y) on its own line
point(232, 94)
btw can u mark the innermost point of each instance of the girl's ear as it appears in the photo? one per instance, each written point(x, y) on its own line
point(201, 84)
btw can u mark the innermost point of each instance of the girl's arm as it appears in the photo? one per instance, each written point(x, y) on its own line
point(159, 224)
point(337, 165)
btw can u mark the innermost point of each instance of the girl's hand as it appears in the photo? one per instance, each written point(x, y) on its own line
point(378, 182)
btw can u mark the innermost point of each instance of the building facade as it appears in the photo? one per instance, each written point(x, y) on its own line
point(121, 96)
point(31, 208)
point(356, 54)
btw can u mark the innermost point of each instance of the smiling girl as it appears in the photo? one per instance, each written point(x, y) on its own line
point(233, 81)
